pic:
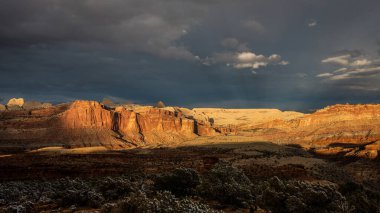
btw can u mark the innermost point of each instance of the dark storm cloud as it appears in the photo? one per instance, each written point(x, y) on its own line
point(144, 26)
point(178, 51)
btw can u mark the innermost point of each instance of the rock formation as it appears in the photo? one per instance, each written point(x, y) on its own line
point(241, 118)
point(2, 107)
point(86, 114)
point(89, 123)
point(356, 124)
point(16, 102)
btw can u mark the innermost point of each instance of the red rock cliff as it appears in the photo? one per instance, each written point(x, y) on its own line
point(86, 114)
point(152, 126)
point(334, 124)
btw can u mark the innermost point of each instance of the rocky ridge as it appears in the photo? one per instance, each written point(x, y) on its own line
point(356, 124)
point(349, 129)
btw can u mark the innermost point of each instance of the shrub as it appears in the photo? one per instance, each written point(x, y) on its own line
point(66, 192)
point(160, 104)
point(363, 199)
point(227, 184)
point(164, 202)
point(182, 181)
point(115, 187)
point(300, 196)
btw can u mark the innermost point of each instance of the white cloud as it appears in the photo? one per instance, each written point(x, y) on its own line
point(324, 75)
point(339, 77)
point(349, 60)
point(283, 63)
point(338, 60)
point(343, 69)
point(251, 60)
point(353, 65)
point(244, 60)
point(361, 62)
point(249, 57)
point(241, 57)
point(353, 73)
point(312, 23)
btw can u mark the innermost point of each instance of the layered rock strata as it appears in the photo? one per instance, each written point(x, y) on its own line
point(351, 129)
point(88, 123)
point(354, 124)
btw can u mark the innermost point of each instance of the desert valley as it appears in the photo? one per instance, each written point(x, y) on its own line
point(194, 106)
point(199, 152)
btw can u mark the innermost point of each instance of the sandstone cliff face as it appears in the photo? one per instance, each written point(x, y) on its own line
point(357, 124)
point(160, 125)
point(151, 126)
point(86, 114)
point(239, 118)
point(88, 123)
point(125, 122)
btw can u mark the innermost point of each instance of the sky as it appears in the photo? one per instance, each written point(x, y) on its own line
point(292, 55)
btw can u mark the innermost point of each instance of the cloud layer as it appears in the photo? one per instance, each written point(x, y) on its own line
point(354, 70)
point(188, 52)
point(137, 26)
point(241, 57)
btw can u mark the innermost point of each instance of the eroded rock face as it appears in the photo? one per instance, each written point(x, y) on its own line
point(126, 123)
point(146, 126)
point(2, 107)
point(86, 114)
point(160, 125)
point(88, 123)
point(356, 124)
point(16, 102)
point(203, 129)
